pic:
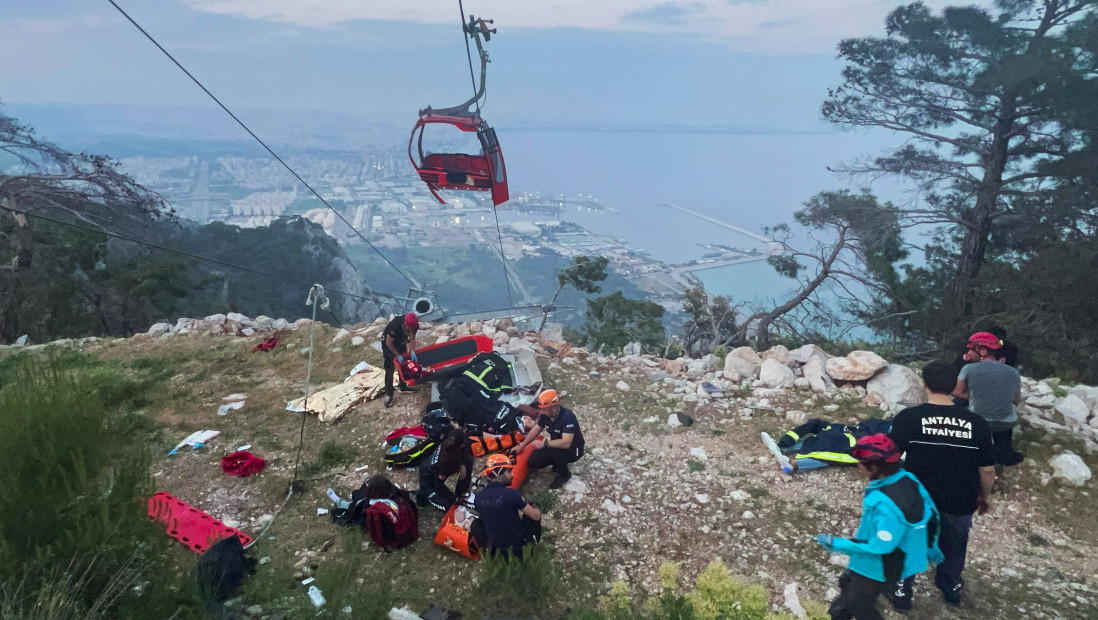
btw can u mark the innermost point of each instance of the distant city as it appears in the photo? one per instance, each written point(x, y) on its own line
point(379, 194)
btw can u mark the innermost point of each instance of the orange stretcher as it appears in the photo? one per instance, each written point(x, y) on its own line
point(483, 445)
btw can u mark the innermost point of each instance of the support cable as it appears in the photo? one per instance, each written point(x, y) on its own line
point(259, 140)
point(163, 248)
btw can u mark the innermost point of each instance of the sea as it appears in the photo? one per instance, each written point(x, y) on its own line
point(752, 180)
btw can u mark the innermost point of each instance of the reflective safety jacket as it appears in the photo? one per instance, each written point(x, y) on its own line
point(491, 372)
point(898, 534)
point(827, 441)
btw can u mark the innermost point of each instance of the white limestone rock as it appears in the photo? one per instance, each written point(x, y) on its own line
point(801, 355)
point(357, 341)
point(159, 329)
point(778, 353)
point(1068, 466)
point(816, 375)
point(898, 385)
point(1073, 409)
point(623, 386)
point(776, 374)
point(858, 366)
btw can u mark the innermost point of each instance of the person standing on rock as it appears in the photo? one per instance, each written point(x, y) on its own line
point(565, 444)
point(992, 389)
point(897, 536)
point(949, 449)
point(398, 340)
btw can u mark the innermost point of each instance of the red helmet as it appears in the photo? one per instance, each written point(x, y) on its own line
point(411, 321)
point(877, 448)
point(985, 339)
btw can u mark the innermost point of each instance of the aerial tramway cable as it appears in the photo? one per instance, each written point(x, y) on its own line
point(259, 140)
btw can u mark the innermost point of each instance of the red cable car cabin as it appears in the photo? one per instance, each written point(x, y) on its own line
point(481, 172)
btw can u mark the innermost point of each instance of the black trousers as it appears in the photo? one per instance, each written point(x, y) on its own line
point(390, 368)
point(1003, 448)
point(857, 598)
point(559, 458)
point(434, 491)
point(531, 535)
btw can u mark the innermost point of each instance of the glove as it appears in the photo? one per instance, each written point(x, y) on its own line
point(414, 356)
point(400, 359)
point(827, 541)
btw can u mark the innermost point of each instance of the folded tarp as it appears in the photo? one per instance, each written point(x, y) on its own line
point(332, 403)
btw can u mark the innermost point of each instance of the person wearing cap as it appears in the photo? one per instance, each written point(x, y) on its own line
point(993, 389)
point(510, 522)
point(398, 341)
point(949, 449)
point(565, 443)
point(897, 537)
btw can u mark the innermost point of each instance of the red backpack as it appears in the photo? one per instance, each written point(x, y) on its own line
point(393, 529)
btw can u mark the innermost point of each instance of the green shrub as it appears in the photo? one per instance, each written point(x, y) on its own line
point(333, 453)
point(695, 466)
point(75, 472)
point(518, 586)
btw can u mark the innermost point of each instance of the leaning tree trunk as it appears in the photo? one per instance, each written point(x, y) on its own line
point(973, 251)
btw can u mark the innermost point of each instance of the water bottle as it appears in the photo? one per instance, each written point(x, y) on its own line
point(316, 596)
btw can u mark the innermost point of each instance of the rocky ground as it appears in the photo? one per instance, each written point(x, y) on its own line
point(651, 489)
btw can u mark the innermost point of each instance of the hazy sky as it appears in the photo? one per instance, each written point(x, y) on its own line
point(733, 63)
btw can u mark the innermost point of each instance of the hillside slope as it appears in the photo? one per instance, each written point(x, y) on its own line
point(645, 493)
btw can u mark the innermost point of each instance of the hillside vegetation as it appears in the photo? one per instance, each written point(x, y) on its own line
point(648, 502)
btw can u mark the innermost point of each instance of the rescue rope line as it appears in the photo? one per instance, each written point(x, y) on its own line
point(503, 259)
point(260, 141)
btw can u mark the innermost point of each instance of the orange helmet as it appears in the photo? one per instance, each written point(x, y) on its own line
point(496, 463)
point(547, 399)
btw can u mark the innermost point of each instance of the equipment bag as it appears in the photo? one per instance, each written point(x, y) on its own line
point(394, 437)
point(484, 445)
point(393, 524)
point(408, 450)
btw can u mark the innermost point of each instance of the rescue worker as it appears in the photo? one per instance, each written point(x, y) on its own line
point(565, 444)
point(897, 536)
point(992, 389)
point(398, 341)
point(451, 457)
point(510, 522)
point(473, 397)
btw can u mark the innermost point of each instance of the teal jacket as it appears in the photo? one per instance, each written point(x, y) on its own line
point(898, 534)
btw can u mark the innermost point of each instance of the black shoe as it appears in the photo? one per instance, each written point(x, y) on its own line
point(404, 387)
point(389, 401)
point(953, 595)
point(559, 481)
point(1014, 458)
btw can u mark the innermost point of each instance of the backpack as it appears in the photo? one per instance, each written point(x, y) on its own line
point(408, 450)
point(391, 528)
point(222, 569)
point(459, 537)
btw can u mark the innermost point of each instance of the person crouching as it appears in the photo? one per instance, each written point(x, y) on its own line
point(897, 536)
point(565, 444)
point(510, 522)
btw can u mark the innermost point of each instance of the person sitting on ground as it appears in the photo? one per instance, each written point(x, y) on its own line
point(450, 457)
point(949, 449)
point(565, 444)
point(897, 536)
point(992, 389)
point(398, 341)
point(510, 522)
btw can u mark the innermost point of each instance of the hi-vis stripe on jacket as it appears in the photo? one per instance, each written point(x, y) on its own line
point(827, 441)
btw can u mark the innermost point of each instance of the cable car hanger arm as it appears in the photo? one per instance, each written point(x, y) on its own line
point(476, 28)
